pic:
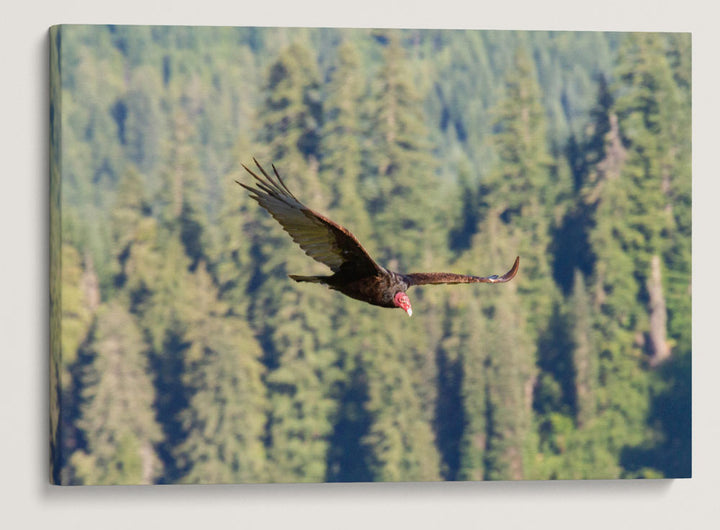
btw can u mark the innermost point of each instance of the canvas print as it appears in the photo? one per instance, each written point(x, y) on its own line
point(368, 255)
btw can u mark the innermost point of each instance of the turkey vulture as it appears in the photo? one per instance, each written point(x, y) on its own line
point(355, 273)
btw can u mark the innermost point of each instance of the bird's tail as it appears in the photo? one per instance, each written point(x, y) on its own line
point(311, 279)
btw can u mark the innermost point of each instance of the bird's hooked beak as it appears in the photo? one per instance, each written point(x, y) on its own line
point(402, 301)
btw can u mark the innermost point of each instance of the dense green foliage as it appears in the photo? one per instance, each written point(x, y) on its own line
point(183, 353)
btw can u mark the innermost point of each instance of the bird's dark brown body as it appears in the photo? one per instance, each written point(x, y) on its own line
point(355, 273)
point(378, 289)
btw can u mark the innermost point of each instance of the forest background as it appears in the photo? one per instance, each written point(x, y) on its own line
point(187, 354)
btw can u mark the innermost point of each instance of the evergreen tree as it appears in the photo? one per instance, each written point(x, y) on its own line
point(584, 361)
point(467, 328)
point(134, 235)
point(225, 419)
point(400, 438)
point(510, 374)
point(523, 187)
point(348, 455)
point(515, 211)
point(140, 121)
point(229, 245)
point(164, 320)
point(293, 319)
point(465, 86)
point(402, 190)
point(342, 168)
point(400, 360)
point(634, 217)
point(498, 366)
point(157, 270)
point(653, 114)
point(80, 299)
point(117, 415)
point(292, 110)
point(183, 190)
point(92, 84)
point(342, 141)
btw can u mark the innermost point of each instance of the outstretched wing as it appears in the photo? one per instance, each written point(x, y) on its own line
point(320, 238)
point(425, 278)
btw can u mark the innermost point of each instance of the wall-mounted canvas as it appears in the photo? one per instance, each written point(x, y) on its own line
point(183, 352)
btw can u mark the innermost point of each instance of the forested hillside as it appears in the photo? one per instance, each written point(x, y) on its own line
point(185, 354)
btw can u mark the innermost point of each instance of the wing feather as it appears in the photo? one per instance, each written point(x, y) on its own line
point(428, 278)
point(320, 238)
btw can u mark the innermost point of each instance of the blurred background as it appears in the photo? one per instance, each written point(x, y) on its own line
point(183, 353)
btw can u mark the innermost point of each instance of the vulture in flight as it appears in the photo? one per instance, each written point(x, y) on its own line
point(355, 273)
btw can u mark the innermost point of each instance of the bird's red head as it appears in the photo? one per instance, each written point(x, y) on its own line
point(402, 301)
